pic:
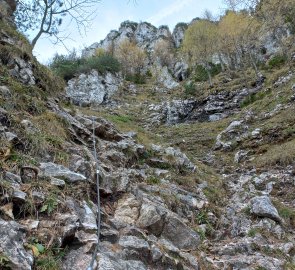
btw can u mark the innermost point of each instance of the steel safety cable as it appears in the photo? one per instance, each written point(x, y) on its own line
point(98, 214)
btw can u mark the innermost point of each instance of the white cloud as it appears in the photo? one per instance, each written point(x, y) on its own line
point(175, 7)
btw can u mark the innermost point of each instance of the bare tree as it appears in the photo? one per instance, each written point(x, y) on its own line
point(44, 17)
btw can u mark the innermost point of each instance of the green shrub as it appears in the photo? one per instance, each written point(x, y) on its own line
point(201, 74)
point(277, 61)
point(252, 232)
point(101, 63)
point(68, 66)
point(153, 180)
point(120, 118)
point(65, 66)
point(252, 98)
point(189, 88)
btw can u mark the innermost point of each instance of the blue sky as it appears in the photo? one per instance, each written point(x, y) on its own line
point(110, 13)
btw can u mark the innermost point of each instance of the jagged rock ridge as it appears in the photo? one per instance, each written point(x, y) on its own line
point(144, 34)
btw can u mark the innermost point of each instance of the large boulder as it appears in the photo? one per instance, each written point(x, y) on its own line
point(151, 218)
point(180, 234)
point(262, 206)
point(92, 88)
point(164, 77)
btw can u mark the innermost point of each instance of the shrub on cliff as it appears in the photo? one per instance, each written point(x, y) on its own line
point(68, 66)
point(101, 63)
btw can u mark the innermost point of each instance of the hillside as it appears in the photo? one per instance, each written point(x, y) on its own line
point(193, 174)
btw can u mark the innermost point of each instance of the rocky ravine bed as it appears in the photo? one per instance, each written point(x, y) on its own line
point(148, 221)
point(160, 209)
point(139, 228)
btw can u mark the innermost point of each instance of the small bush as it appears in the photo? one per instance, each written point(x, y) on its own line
point(201, 74)
point(69, 66)
point(189, 88)
point(252, 98)
point(102, 64)
point(277, 61)
point(65, 66)
point(252, 232)
point(120, 118)
point(152, 180)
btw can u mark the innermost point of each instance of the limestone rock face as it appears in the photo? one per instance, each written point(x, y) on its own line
point(127, 210)
point(144, 34)
point(164, 77)
point(23, 71)
point(180, 70)
point(159, 208)
point(212, 108)
point(11, 245)
point(92, 88)
point(178, 33)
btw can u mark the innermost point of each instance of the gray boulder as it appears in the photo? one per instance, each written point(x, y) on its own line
point(133, 242)
point(5, 92)
point(22, 71)
point(262, 206)
point(180, 235)
point(77, 259)
point(164, 78)
point(150, 218)
point(58, 171)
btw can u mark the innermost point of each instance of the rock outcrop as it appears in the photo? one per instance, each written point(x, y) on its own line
point(93, 89)
point(212, 108)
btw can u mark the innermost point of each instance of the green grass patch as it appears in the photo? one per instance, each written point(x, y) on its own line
point(252, 98)
point(285, 212)
point(281, 154)
point(277, 61)
point(153, 180)
point(252, 232)
point(120, 118)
